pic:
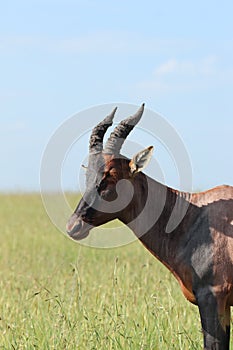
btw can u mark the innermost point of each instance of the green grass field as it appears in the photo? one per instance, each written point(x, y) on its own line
point(58, 294)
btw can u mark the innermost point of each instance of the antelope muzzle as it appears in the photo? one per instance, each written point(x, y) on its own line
point(76, 228)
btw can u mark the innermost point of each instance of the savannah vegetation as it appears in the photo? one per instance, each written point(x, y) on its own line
point(58, 294)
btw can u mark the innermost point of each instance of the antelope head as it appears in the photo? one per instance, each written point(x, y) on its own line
point(104, 197)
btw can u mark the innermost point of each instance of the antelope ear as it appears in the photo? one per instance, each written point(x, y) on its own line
point(84, 167)
point(140, 160)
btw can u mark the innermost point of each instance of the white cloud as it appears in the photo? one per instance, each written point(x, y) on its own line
point(117, 42)
point(173, 75)
point(206, 65)
point(14, 126)
point(167, 67)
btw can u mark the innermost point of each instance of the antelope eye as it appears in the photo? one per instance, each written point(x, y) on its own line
point(101, 186)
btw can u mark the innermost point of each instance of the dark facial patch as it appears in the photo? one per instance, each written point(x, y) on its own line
point(95, 170)
point(94, 175)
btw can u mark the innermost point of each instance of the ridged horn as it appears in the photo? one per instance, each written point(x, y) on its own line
point(97, 135)
point(121, 131)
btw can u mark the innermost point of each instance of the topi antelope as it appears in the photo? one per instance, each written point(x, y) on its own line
point(198, 251)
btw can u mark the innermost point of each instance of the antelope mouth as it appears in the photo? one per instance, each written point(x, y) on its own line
point(77, 229)
point(77, 235)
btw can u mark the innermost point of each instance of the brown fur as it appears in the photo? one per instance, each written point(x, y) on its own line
point(199, 251)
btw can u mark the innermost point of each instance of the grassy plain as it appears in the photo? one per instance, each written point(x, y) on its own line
point(58, 294)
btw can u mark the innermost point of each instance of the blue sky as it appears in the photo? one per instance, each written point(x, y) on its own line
point(60, 57)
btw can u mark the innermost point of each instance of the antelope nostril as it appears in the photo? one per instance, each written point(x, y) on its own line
point(74, 229)
point(71, 222)
point(77, 227)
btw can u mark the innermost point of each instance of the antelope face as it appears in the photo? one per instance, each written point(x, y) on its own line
point(106, 194)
